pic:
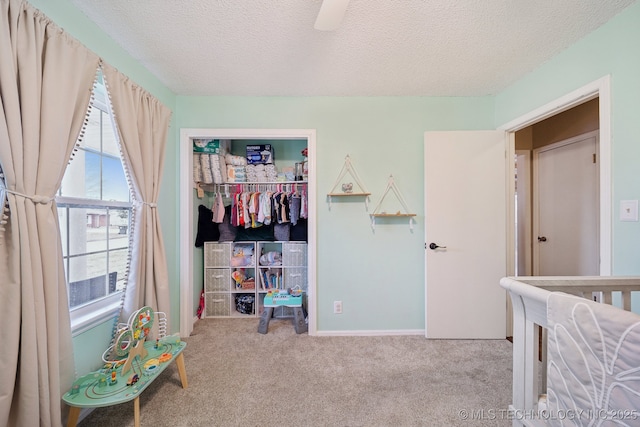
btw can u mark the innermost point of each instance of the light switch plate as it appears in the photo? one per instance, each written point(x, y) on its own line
point(628, 210)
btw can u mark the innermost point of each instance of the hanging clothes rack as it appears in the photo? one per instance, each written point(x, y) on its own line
point(229, 188)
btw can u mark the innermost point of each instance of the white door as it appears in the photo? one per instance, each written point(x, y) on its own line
point(566, 206)
point(465, 214)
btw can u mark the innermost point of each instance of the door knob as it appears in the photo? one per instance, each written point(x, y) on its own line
point(433, 246)
point(542, 239)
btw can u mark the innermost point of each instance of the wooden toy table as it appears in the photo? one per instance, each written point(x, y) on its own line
point(94, 390)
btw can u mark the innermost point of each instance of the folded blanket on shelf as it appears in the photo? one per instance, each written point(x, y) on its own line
point(261, 173)
point(235, 160)
point(271, 172)
point(197, 168)
point(207, 178)
point(218, 168)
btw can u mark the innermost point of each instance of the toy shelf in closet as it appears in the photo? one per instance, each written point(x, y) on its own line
point(266, 265)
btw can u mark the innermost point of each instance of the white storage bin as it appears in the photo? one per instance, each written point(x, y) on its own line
point(296, 277)
point(217, 305)
point(216, 280)
point(216, 254)
point(294, 254)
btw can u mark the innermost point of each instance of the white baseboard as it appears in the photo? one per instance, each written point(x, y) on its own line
point(370, 333)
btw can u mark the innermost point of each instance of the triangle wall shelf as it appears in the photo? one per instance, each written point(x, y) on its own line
point(347, 188)
point(391, 186)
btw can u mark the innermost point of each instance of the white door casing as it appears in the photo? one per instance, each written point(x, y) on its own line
point(523, 213)
point(566, 208)
point(601, 89)
point(465, 210)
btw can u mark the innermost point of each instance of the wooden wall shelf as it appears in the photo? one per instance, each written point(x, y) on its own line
point(393, 215)
point(349, 194)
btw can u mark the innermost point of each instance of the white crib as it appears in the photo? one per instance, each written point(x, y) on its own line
point(530, 297)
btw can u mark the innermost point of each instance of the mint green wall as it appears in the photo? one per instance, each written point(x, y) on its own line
point(610, 50)
point(378, 276)
point(89, 346)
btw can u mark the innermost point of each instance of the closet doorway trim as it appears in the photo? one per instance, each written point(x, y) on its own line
point(186, 220)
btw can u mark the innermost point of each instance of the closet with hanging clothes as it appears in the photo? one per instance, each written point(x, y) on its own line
point(252, 216)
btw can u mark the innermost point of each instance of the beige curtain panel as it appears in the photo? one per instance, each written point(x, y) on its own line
point(46, 79)
point(143, 124)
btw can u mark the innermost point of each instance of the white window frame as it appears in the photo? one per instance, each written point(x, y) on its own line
point(91, 314)
point(94, 313)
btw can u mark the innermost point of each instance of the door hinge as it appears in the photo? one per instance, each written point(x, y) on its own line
point(594, 157)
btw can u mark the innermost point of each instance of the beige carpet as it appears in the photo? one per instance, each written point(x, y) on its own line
point(238, 377)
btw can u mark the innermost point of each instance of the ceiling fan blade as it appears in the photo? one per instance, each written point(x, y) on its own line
point(330, 15)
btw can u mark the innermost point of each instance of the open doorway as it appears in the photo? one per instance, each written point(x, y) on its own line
point(549, 159)
point(601, 90)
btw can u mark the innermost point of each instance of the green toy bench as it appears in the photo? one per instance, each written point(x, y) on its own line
point(125, 379)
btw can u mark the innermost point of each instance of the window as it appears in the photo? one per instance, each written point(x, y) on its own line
point(94, 209)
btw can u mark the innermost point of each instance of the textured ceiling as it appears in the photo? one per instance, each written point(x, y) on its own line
point(383, 47)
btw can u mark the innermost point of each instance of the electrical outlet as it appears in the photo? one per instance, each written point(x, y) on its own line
point(628, 210)
point(337, 307)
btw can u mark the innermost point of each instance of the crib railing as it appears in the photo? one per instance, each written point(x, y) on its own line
point(529, 299)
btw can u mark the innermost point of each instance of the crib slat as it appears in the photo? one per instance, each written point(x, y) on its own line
point(626, 300)
point(543, 352)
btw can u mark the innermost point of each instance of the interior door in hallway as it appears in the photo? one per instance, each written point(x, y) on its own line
point(566, 208)
point(465, 215)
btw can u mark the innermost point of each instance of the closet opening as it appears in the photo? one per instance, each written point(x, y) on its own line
point(280, 173)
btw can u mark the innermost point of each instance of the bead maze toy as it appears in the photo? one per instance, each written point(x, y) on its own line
point(131, 337)
point(130, 365)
